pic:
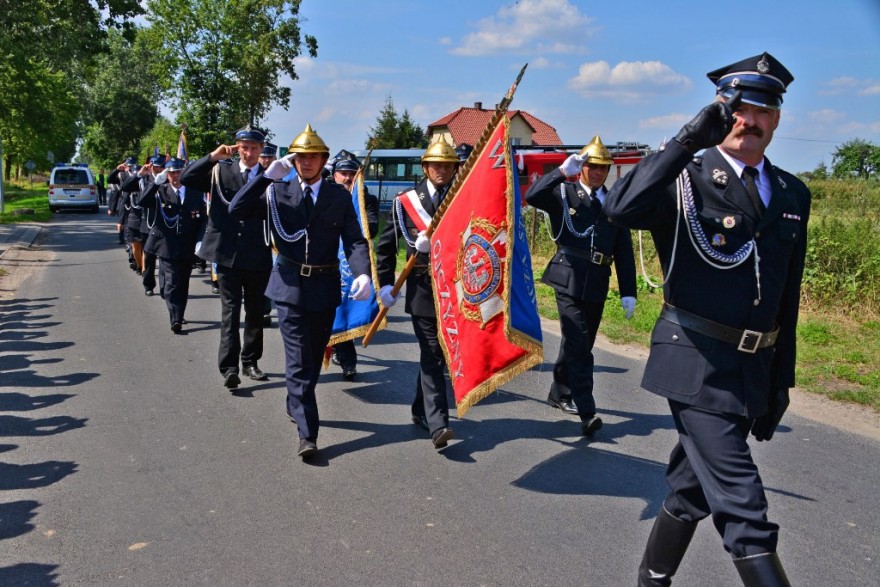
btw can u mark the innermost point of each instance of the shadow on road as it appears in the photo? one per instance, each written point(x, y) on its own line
point(29, 574)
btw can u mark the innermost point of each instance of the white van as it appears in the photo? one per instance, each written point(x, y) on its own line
point(72, 186)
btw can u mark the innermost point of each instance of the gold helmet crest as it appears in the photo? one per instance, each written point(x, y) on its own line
point(308, 141)
point(596, 153)
point(440, 151)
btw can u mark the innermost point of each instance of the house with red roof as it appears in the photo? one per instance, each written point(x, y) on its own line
point(466, 124)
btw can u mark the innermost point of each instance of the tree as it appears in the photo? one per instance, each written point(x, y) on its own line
point(856, 158)
point(120, 105)
point(220, 61)
point(395, 132)
point(48, 49)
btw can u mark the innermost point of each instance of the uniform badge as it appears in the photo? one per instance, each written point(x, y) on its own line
point(719, 176)
point(718, 240)
point(414, 232)
point(782, 183)
point(728, 222)
point(479, 271)
point(763, 65)
point(572, 211)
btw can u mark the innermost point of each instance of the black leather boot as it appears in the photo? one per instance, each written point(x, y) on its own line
point(666, 546)
point(761, 570)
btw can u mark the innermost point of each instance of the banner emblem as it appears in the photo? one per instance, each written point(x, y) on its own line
point(479, 271)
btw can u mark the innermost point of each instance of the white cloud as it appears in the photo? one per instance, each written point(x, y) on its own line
point(628, 80)
point(848, 84)
point(539, 26)
point(826, 116)
point(667, 121)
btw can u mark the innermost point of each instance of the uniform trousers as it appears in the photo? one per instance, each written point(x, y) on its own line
point(305, 335)
point(711, 472)
point(346, 353)
point(573, 371)
point(176, 275)
point(430, 401)
point(149, 276)
point(240, 287)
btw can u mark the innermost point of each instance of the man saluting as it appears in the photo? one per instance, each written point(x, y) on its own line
point(730, 230)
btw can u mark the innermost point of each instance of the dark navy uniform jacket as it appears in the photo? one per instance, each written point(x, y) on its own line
point(134, 187)
point(573, 274)
point(333, 217)
point(178, 226)
point(230, 242)
point(419, 289)
point(117, 196)
point(692, 368)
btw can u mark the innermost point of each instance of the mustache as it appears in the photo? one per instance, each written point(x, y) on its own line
point(750, 130)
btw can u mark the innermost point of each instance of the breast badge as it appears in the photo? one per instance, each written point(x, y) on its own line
point(718, 240)
point(728, 222)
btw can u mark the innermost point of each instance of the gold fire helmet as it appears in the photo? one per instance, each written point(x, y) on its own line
point(440, 152)
point(308, 141)
point(596, 153)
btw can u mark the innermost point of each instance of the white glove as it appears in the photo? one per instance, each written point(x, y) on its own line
point(280, 167)
point(423, 243)
point(385, 296)
point(572, 165)
point(161, 178)
point(628, 303)
point(198, 247)
point(361, 288)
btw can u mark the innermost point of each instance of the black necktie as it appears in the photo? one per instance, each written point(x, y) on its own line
point(749, 174)
point(307, 193)
point(244, 175)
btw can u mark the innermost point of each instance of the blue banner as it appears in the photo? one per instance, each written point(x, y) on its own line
point(353, 318)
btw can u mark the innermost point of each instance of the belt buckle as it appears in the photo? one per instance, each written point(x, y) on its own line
point(749, 341)
point(597, 258)
point(306, 271)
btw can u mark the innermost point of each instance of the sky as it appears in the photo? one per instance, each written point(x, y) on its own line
point(628, 71)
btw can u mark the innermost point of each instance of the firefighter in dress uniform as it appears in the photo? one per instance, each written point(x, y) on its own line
point(430, 407)
point(730, 231)
point(308, 217)
point(267, 156)
point(587, 244)
point(116, 203)
point(237, 246)
point(136, 228)
point(179, 224)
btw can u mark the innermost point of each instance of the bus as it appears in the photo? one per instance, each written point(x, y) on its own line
point(391, 171)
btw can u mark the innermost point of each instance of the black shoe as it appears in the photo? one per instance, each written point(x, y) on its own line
point(307, 448)
point(231, 380)
point(335, 359)
point(176, 328)
point(591, 425)
point(441, 437)
point(267, 321)
point(348, 373)
point(566, 405)
point(421, 422)
point(254, 373)
point(215, 289)
point(184, 321)
point(133, 266)
point(148, 292)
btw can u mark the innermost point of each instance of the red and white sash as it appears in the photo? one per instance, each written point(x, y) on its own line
point(414, 209)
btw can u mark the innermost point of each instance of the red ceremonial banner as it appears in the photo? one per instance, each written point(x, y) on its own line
point(472, 252)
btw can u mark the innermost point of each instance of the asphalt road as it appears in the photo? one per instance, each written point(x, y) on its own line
point(124, 462)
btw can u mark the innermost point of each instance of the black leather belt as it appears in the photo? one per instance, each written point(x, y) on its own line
point(747, 341)
point(591, 256)
point(308, 270)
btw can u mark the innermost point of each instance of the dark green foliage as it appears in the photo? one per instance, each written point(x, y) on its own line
point(395, 132)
